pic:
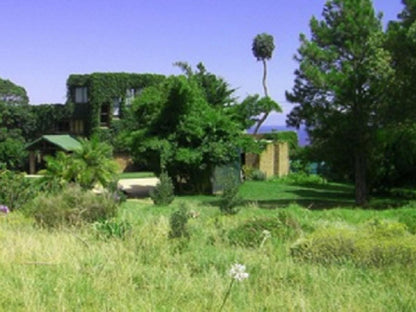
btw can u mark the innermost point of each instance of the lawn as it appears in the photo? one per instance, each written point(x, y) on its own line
point(136, 175)
point(85, 269)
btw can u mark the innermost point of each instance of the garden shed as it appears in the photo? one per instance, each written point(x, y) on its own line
point(49, 145)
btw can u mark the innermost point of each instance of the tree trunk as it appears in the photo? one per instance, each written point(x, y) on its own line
point(266, 93)
point(360, 177)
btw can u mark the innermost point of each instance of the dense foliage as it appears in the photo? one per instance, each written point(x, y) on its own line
point(396, 154)
point(49, 119)
point(179, 131)
point(12, 94)
point(88, 166)
point(15, 189)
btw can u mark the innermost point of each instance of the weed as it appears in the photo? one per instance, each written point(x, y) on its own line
point(178, 221)
point(112, 228)
point(230, 198)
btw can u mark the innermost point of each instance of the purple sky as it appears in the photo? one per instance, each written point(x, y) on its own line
point(44, 41)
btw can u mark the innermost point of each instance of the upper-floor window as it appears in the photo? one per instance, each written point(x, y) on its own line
point(116, 107)
point(131, 94)
point(81, 95)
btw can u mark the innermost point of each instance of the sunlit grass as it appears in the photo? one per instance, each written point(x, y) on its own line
point(77, 270)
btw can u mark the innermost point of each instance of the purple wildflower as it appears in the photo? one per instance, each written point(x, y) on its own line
point(4, 209)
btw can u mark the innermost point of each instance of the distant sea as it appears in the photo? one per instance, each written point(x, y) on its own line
point(302, 134)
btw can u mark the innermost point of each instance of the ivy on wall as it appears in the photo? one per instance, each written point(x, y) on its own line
point(104, 88)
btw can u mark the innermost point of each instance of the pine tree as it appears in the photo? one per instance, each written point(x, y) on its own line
point(342, 71)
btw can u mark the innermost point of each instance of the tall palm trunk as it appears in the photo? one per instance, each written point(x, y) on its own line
point(266, 94)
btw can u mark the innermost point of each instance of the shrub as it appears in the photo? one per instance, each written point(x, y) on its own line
point(377, 243)
point(89, 166)
point(15, 189)
point(302, 178)
point(258, 175)
point(178, 221)
point(163, 194)
point(251, 233)
point(229, 197)
point(73, 206)
point(253, 174)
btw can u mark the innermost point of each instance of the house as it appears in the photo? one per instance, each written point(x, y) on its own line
point(98, 99)
point(49, 145)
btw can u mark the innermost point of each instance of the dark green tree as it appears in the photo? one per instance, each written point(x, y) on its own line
point(216, 90)
point(15, 112)
point(178, 131)
point(338, 91)
point(249, 111)
point(12, 94)
point(12, 149)
point(396, 165)
point(263, 47)
point(16, 124)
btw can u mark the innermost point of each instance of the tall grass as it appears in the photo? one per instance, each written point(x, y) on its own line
point(76, 270)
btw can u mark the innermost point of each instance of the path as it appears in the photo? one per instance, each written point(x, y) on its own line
point(137, 187)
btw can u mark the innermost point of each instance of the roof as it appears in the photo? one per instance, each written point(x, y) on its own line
point(63, 141)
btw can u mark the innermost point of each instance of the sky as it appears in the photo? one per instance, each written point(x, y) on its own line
point(44, 41)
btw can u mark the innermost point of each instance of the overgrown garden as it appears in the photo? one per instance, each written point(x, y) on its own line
point(343, 239)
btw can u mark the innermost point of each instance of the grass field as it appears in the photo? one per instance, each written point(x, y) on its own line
point(81, 269)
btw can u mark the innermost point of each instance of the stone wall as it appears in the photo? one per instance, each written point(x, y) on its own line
point(273, 161)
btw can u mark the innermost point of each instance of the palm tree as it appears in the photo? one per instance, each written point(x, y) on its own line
point(263, 46)
point(95, 163)
point(90, 164)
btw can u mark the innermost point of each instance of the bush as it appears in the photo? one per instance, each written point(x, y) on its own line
point(73, 206)
point(15, 189)
point(258, 175)
point(163, 193)
point(302, 178)
point(229, 197)
point(178, 221)
point(253, 174)
point(378, 243)
point(251, 233)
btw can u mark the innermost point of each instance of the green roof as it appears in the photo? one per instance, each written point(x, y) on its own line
point(64, 141)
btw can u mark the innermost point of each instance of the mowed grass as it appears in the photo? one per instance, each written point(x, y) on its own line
point(77, 269)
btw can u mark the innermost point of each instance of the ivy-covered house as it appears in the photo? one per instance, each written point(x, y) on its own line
point(99, 98)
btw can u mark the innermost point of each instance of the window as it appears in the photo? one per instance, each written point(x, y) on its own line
point(104, 115)
point(116, 107)
point(77, 126)
point(130, 96)
point(81, 95)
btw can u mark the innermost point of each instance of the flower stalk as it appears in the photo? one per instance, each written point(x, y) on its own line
point(237, 273)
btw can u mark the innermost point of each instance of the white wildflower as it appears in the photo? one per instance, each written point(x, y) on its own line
point(238, 273)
